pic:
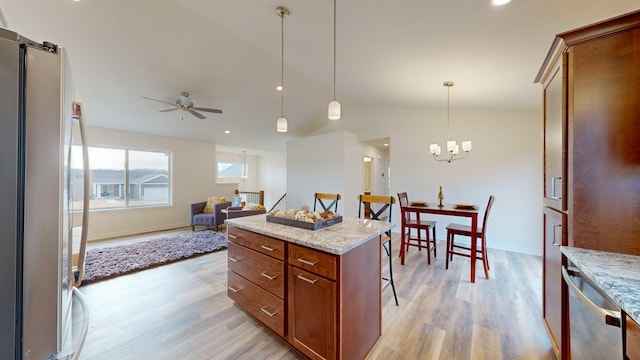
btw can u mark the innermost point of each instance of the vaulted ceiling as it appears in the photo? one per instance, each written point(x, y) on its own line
point(226, 54)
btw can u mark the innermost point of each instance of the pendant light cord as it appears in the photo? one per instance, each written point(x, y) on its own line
point(282, 65)
point(448, 115)
point(334, 49)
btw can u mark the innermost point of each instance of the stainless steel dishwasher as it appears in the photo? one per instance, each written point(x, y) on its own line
point(594, 321)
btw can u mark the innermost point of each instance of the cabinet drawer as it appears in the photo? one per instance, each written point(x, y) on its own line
point(265, 271)
point(259, 303)
point(261, 243)
point(313, 260)
point(633, 338)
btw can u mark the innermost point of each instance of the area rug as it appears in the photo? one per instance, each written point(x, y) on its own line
point(108, 262)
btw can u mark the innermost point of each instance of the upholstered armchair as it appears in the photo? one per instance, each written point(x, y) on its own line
point(237, 211)
point(200, 218)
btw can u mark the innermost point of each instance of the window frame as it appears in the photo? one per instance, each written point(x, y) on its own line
point(126, 204)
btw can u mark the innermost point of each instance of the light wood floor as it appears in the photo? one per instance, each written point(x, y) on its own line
point(181, 311)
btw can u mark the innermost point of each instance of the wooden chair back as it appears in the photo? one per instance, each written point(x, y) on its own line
point(383, 213)
point(318, 197)
point(486, 214)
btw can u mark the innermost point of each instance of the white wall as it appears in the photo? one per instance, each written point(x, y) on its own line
point(327, 163)
point(506, 161)
point(273, 177)
point(193, 175)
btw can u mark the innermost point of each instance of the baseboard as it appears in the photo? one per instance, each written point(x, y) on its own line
point(137, 232)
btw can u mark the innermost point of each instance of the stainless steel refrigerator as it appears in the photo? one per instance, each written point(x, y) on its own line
point(41, 131)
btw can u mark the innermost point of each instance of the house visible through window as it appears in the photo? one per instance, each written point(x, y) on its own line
point(123, 178)
point(232, 172)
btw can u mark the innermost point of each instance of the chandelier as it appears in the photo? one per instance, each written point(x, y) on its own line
point(452, 147)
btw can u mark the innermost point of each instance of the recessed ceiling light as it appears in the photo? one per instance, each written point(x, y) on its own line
point(385, 144)
point(279, 88)
point(227, 131)
point(500, 2)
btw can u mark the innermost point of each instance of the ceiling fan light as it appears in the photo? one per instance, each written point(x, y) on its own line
point(281, 124)
point(335, 110)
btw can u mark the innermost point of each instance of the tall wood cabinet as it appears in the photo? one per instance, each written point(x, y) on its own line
point(591, 196)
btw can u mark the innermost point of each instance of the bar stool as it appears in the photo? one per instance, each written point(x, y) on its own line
point(365, 210)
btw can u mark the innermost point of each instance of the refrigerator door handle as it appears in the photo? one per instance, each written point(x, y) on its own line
point(609, 317)
point(85, 322)
point(77, 114)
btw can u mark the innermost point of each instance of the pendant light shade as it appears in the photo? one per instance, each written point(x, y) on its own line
point(281, 123)
point(334, 110)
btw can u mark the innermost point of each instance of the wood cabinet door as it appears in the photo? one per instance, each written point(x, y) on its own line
point(605, 133)
point(632, 339)
point(312, 314)
point(555, 138)
point(555, 300)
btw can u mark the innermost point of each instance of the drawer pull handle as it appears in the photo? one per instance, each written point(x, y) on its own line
point(267, 248)
point(264, 310)
point(232, 236)
point(234, 289)
point(307, 262)
point(233, 259)
point(307, 280)
point(268, 276)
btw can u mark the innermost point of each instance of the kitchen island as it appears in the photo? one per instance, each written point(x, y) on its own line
point(318, 290)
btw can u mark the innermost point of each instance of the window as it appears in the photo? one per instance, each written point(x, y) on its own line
point(122, 178)
point(232, 172)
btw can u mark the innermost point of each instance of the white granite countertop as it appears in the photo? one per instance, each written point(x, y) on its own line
point(618, 275)
point(336, 239)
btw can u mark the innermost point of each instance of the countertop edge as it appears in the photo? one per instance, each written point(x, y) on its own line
point(314, 245)
point(610, 284)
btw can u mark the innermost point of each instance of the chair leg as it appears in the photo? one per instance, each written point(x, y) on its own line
point(435, 254)
point(485, 262)
point(428, 247)
point(390, 256)
point(402, 246)
point(448, 250)
point(484, 246)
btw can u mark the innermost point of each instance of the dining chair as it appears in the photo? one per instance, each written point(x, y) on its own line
point(465, 230)
point(378, 207)
point(417, 224)
point(334, 198)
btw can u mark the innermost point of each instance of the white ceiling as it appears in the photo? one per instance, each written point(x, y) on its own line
point(227, 55)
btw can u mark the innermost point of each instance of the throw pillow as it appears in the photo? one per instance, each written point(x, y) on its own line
point(254, 207)
point(208, 209)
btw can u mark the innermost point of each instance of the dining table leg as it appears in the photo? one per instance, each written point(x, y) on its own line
point(474, 241)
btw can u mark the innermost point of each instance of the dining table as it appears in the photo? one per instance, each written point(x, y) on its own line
point(450, 210)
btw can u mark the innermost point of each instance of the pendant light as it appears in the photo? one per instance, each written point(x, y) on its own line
point(452, 146)
point(244, 165)
point(335, 111)
point(281, 124)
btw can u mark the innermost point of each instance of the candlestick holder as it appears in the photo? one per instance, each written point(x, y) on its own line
point(440, 197)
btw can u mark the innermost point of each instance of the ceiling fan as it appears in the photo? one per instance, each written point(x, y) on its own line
point(184, 103)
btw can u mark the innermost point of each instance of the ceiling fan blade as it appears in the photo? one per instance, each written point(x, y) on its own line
point(197, 114)
point(167, 110)
point(161, 101)
point(217, 111)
